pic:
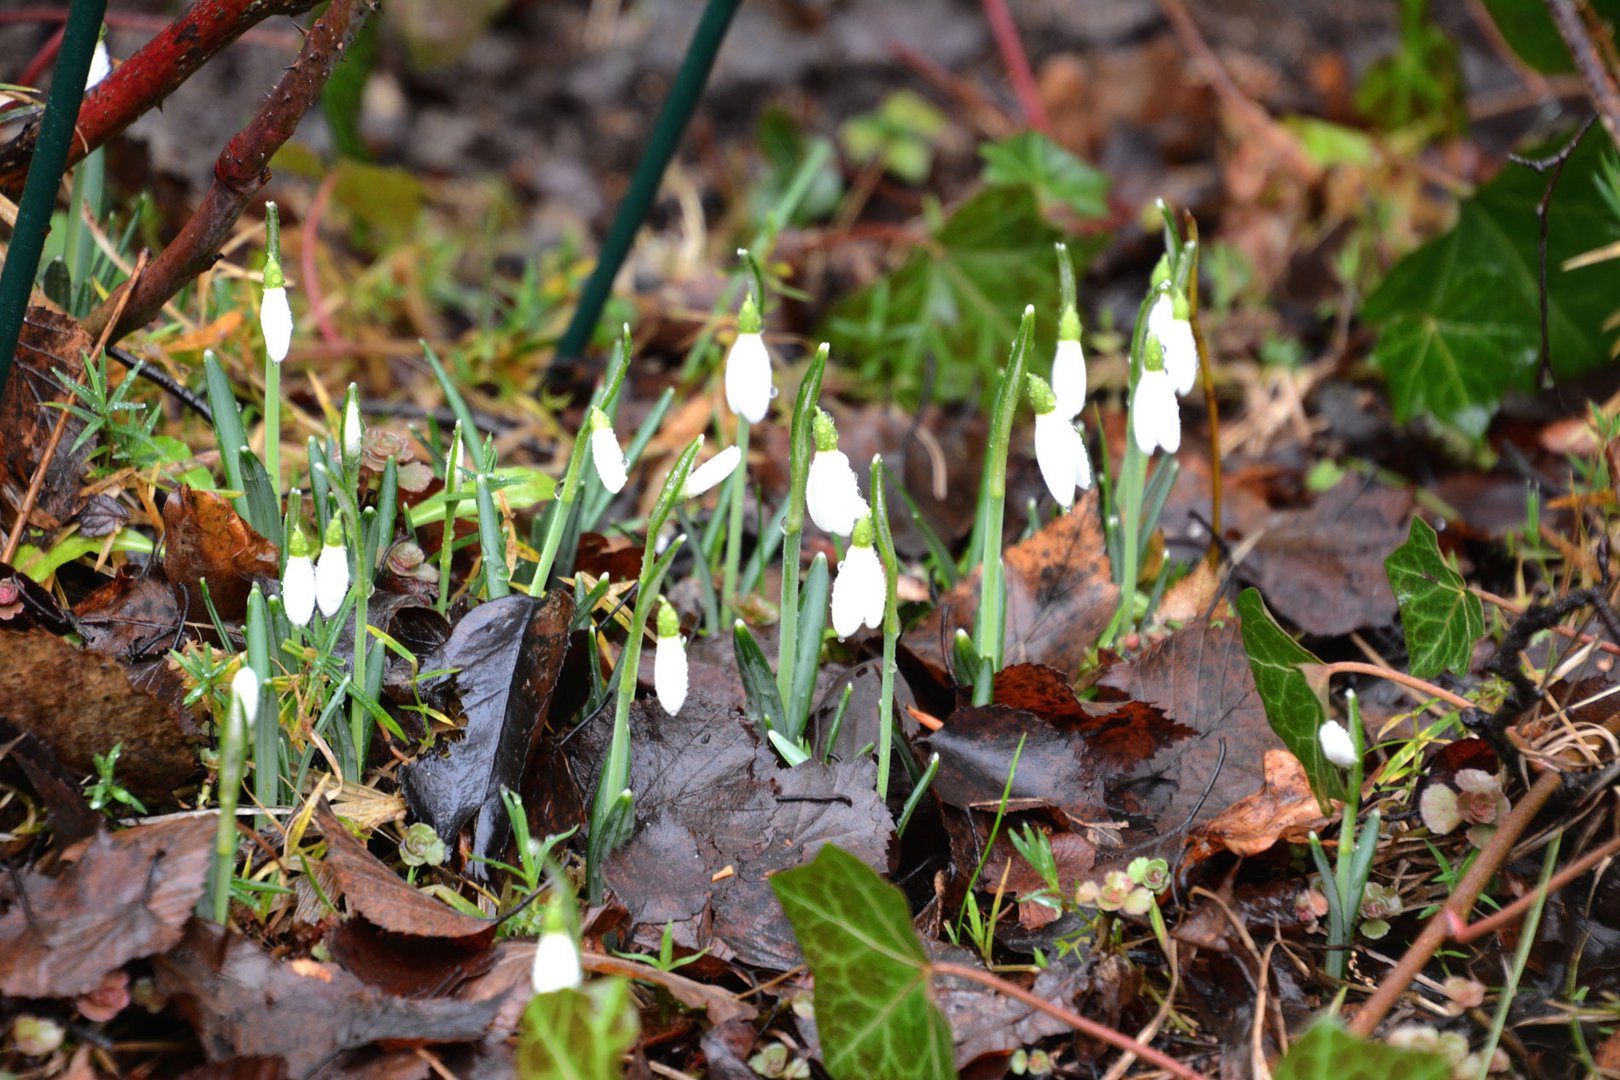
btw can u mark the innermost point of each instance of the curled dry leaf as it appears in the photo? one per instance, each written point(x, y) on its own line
point(1283, 809)
point(205, 539)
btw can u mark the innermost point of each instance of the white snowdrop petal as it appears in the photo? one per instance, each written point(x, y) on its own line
point(748, 378)
point(298, 589)
point(1069, 378)
point(711, 472)
point(331, 580)
point(833, 493)
point(276, 322)
point(556, 964)
point(1181, 355)
point(245, 692)
point(1082, 465)
point(1337, 746)
point(1155, 413)
point(100, 66)
point(1058, 451)
point(669, 673)
point(859, 592)
point(608, 458)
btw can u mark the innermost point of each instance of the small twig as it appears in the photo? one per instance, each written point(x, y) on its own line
point(1465, 932)
point(240, 172)
point(1356, 667)
point(1553, 168)
point(1562, 631)
point(1600, 87)
point(160, 378)
point(1091, 1028)
point(1016, 61)
point(1438, 928)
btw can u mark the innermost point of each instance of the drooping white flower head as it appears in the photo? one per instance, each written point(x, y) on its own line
point(298, 579)
point(605, 452)
point(712, 472)
point(1337, 746)
point(748, 368)
point(669, 661)
point(354, 429)
point(1069, 367)
point(556, 956)
point(100, 63)
point(861, 590)
point(1059, 449)
point(832, 492)
point(1155, 413)
point(245, 693)
point(1168, 322)
point(275, 315)
point(332, 570)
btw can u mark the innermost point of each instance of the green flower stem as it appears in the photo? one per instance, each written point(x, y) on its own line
point(736, 492)
point(991, 622)
point(232, 761)
point(801, 447)
point(452, 475)
point(1132, 479)
point(614, 783)
point(891, 626)
point(359, 718)
point(267, 732)
point(272, 370)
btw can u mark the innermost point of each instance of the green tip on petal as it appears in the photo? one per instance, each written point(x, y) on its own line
point(1069, 325)
point(1153, 355)
point(669, 623)
point(596, 419)
point(1041, 397)
point(864, 533)
point(1180, 307)
point(824, 431)
point(1161, 272)
point(334, 532)
point(299, 546)
point(748, 320)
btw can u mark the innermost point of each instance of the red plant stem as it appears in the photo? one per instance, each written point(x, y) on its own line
point(241, 170)
point(1100, 1032)
point(144, 80)
point(1356, 667)
point(1017, 61)
point(1466, 932)
point(1438, 928)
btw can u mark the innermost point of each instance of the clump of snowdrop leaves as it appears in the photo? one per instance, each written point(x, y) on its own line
point(332, 570)
point(832, 492)
point(1069, 366)
point(669, 661)
point(606, 454)
point(1059, 449)
point(298, 579)
point(748, 367)
point(1155, 413)
point(1170, 324)
point(861, 589)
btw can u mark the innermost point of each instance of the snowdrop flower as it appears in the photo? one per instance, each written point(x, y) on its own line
point(298, 579)
point(861, 590)
point(605, 452)
point(556, 957)
point(748, 368)
point(245, 693)
point(1155, 414)
point(332, 570)
point(100, 64)
point(1059, 449)
point(1169, 323)
point(832, 493)
point(354, 429)
point(711, 472)
point(1069, 366)
point(1337, 746)
point(275, 316)
point(669, 661)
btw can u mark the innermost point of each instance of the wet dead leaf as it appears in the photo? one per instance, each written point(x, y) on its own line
point(205, 539)
point(1283, 809)
point(508, 654)
point(134, 615)
point(128, 896)
point(80, 704)
point(51, 342)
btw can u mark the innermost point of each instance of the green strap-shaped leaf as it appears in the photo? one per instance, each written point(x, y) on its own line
point(1293, 706)
point(874, 1011)
point(577, 1034)
point(1328, 1052)
point(1441, 617)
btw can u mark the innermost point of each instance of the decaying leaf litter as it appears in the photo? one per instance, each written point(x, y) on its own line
point(1313, 726)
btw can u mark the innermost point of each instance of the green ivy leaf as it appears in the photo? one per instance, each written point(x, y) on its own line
point(1294, 707)
point(1328, 1052)
point(1460, 318)
point(958, 296)
point(577, 1034)
point(1441, 617)
point(874, 1011)
point(1030, 159)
